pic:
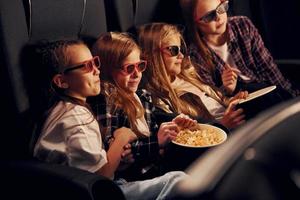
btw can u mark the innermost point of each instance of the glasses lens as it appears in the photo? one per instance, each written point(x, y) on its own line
point(210, 16)
point(183, 50)
point(88, 66)
point(97, 62)
point(142, 66)
point(174, 50)
point(222, 8)
point(130, 69)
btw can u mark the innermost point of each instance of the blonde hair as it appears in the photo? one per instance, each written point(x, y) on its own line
point(113, 48)
point(151, 37)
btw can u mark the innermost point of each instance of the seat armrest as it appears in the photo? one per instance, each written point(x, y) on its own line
point(31, 179)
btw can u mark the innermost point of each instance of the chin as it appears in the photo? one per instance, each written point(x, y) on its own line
point(132, 90)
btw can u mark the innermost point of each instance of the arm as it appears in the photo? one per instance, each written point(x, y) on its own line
point(200, 66)
point(122, 137)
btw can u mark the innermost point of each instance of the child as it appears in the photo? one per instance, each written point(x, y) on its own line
point(229, 52)
point(173, 82)
point(70, 135)
point(122, 70)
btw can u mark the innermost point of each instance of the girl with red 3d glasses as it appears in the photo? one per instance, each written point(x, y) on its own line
point(127, 106)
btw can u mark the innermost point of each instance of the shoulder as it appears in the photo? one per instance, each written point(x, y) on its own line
point(240, 22)
point(240, 25)
point(66, 115)
point(144, 95)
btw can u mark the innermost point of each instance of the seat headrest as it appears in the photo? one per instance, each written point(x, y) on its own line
point(53, 20)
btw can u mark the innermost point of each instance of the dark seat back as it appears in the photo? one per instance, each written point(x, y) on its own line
point(261, 160)
point(28, 21)
point(127, 15)
point(21, 23)
point(276, 22)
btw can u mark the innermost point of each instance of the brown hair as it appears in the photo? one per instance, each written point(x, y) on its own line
point(188, 9)
point(113, 48)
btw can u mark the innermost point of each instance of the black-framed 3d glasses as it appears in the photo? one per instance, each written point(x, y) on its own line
point(174, 50)
point(212, 15)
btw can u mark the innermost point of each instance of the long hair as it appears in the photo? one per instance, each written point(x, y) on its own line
point(194, 34)
point(151, 37)
point(113, 48)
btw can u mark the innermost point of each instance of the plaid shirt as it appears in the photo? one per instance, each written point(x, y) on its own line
point(249, 54)
point(145, 148)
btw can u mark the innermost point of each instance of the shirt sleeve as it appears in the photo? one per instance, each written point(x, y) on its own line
point(145, 148)
point(85, 149)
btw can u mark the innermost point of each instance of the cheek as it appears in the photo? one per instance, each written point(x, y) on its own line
point(207, 28)
point(121, 80)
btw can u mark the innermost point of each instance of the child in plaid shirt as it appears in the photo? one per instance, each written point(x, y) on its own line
point(229, 52)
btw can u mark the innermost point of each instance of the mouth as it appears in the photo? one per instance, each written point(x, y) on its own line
point(220, 25)
point(133, 82)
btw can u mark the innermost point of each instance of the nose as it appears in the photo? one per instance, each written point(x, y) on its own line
point(217, 18)
point(96, 70)
point(135, 73)
point(180, 55)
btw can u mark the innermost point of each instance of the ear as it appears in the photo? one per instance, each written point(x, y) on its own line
point(59, 81)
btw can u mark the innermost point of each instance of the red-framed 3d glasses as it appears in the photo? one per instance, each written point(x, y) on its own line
point(132, 67)
point(87, 66)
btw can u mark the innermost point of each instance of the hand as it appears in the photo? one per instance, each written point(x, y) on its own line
point(233, 118)
point(240, 95)
point(124, 135)
point(167, 132)
point(184, 121)
point(126, 158)
point(229, 78)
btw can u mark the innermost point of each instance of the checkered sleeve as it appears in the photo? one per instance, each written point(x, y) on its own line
point(147, 147)
point(200, 66)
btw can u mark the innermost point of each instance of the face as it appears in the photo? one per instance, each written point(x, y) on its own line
point(172, 55)
point(129, 77)
point(82, 79)
point(211, 17)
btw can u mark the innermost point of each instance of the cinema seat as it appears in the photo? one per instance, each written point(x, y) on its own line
point(21, 23)
point(261, 160)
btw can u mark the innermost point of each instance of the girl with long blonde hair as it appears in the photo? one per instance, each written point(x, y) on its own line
point(173, 82)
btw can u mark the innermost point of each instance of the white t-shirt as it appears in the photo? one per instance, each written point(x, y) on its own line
point(213, 106)
point(223, 52)
point(71, 136)
point(141, 123)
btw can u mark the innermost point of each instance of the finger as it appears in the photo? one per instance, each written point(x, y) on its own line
point(239, 119)
point(127, 146)
point(189, 123)
point(237, 113)
point(172, 126)
point(235, 70)
point(126, 153)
